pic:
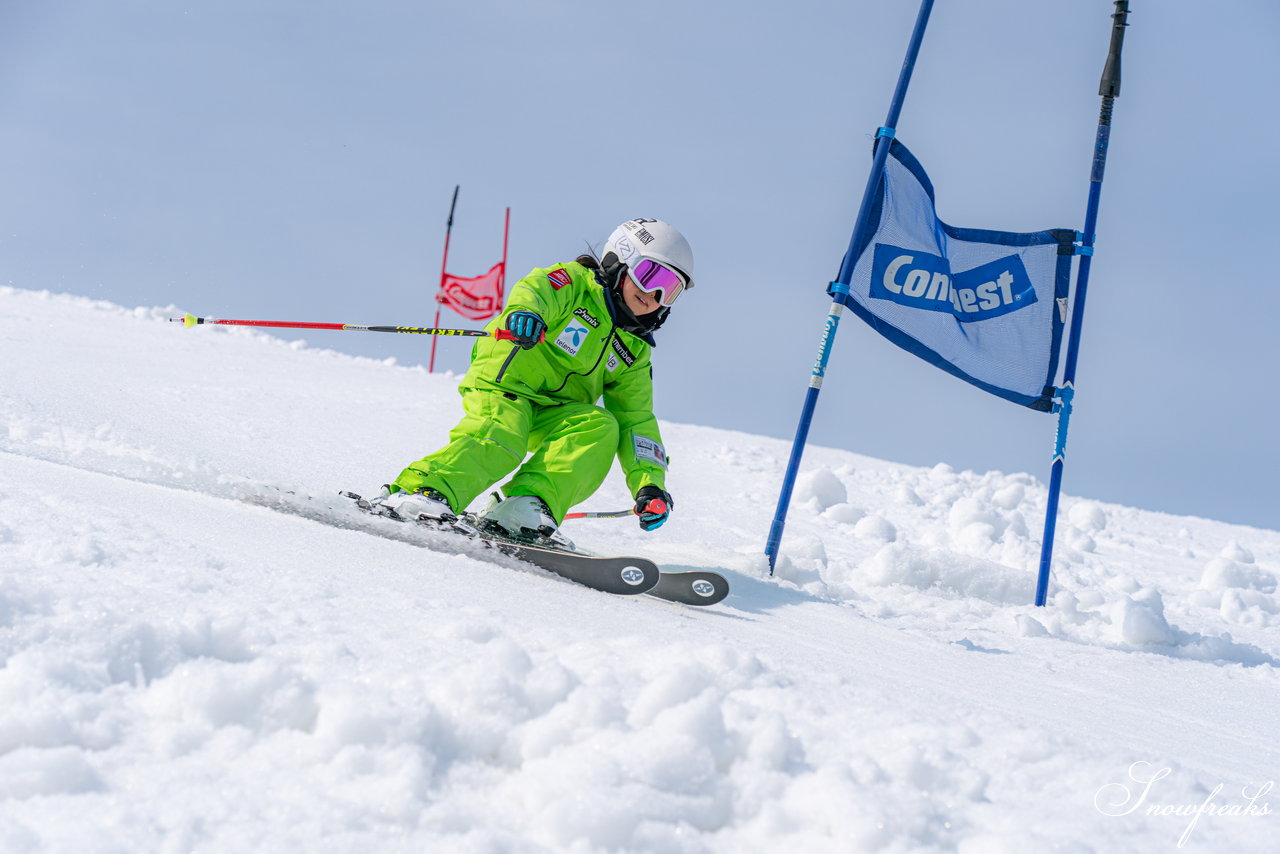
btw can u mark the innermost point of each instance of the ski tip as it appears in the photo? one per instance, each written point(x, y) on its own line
point(692, 588)
point(362, 503)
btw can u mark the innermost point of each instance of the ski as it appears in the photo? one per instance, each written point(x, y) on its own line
point(622, 576)
point(691, 587)
point(619, 575)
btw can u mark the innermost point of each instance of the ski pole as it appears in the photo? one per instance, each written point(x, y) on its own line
point(603, 514)
point(190, 320)
point(656, 504)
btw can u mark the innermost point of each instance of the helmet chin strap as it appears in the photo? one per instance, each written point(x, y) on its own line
point(629, 321)
point(654, 321)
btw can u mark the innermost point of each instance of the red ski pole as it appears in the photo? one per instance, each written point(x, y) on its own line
point(608, 514)
point(602, 514)
point(501, 334)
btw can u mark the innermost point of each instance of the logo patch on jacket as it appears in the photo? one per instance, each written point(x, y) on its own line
point(586, 315)
point(559, 278)
point(623, 353)
point(572, 338)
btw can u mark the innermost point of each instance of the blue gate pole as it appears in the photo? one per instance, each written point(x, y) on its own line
point(1109, 89)
point(840, 287)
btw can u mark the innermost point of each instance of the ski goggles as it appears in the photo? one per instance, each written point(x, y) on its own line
point(654, 278)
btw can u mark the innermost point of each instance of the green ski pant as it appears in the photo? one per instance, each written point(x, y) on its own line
point(573, 447)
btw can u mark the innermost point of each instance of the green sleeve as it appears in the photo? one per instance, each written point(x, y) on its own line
point(629, 396)
point(538, 292)
point(552, 292)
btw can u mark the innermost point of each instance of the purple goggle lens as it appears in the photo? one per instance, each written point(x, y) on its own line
point(652, 277)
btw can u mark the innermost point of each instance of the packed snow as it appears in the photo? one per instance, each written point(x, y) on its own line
point(186, 669)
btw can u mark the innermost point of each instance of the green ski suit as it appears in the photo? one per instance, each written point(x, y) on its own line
point(545, 403)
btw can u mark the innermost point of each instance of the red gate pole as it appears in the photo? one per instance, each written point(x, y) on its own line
point(444, 265)
point(506, 231)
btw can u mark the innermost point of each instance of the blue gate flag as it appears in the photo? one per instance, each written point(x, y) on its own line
point(986, 306)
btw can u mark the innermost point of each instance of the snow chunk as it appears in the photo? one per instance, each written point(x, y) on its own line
point(876, 528)
point(809, 547)
point(1010, 496)
point(846, 513)
point(969, 511)
point(261, 696)
point(1236, 552)
point(1224, 573)
point(1080, 540)
point(1137, 623)
point(906, 495)
point(977, 537)
point(1030, 627)
point(670, 689)
point(901, 563)
point(350, 720)
point(29, 773)
point(802, 561)
point(1140, 620)
point(1247, 607)
point(822, 485)
point(1088, 517)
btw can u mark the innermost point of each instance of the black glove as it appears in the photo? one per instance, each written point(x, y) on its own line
point(653, 506)
point(527, 327)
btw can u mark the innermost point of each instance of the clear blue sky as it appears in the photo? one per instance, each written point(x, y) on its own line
point(294, 159)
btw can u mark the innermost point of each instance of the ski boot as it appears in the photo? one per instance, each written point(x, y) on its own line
point(426, 505)
point(524, 518)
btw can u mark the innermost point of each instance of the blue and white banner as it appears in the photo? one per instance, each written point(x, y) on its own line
point(986, 306)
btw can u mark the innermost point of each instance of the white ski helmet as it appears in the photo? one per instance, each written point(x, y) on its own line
point(636, 239)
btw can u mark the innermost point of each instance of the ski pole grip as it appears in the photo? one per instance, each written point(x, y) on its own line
point(508, 335)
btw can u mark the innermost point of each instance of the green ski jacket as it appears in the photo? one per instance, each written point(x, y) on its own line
point(584, 358)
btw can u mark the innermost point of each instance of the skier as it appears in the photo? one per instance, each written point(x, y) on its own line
point(583, 330)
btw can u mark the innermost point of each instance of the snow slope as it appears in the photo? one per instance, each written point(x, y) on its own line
point(184, 670)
